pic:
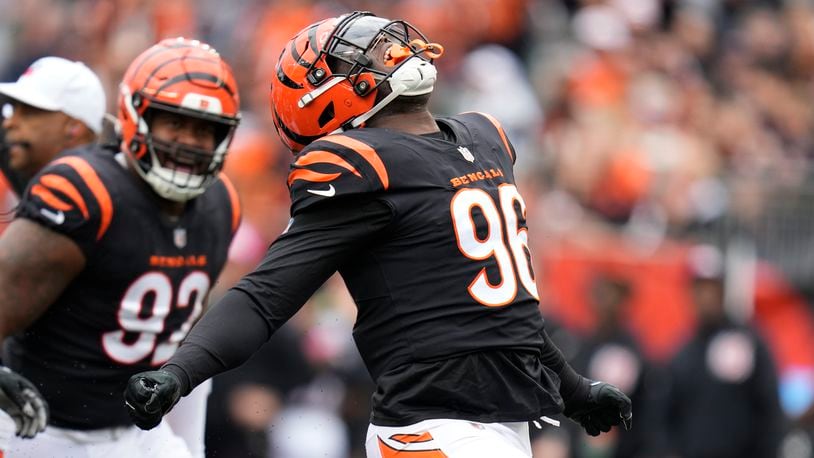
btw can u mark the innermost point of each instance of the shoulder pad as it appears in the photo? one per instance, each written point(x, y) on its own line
point(69, 197)
point(234, 201)
point(333, 166)
point(489, 122)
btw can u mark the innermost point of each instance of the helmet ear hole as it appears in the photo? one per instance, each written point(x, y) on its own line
point(327, 115)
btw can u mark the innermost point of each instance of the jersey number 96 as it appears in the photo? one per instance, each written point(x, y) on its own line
point(505, 241)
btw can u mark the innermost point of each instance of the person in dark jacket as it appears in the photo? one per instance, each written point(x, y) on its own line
point(612, 352)
point(723, 398)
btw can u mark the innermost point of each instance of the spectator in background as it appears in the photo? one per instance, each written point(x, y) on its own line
point(245, 401)
point(55, 105)
point(723, 398)
point(611, 352)
point(517, 108)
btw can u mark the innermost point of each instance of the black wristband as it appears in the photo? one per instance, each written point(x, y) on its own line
point(181, 375)
point(571, 383)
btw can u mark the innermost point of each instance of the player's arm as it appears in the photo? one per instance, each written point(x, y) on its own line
point(59, 220)
point(316, 244)
point(596, 406)
point(36, 265)
point(40, 255)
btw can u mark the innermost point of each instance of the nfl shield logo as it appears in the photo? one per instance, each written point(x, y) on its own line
point(180, 237)
point(466, 153)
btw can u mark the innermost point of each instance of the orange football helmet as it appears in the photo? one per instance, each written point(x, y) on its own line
point(329, 76)
point(188, 78)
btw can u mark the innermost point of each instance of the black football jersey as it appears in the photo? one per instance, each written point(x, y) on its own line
point(453, 273)
point(429, 234)
point(144, 284)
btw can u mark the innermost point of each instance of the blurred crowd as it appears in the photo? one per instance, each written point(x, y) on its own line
point(662, 145)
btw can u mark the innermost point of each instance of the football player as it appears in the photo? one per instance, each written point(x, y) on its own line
point(56, 104)
point(422, 218)
point(113, 251)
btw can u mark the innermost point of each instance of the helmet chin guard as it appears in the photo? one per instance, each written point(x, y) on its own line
point(414, 77)
point(187, 173)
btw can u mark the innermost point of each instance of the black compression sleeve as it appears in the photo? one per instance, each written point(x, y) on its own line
point(316, 244)
point(235, 314)
point(571, 383)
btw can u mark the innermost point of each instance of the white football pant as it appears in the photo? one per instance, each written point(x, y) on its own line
point(445, 438)
point(188, 418)
point(121, 442)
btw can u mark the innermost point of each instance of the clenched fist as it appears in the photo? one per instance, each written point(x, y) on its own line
point(150, 395)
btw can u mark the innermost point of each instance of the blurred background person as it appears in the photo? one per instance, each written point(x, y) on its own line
point(612, 352)
point(723, 397)
point(54, 105)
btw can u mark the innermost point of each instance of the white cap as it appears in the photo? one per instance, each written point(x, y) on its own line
point(602, 27)
point(706, 262)
point(57, 84)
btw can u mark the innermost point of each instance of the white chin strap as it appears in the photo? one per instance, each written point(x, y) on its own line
point(414, 77)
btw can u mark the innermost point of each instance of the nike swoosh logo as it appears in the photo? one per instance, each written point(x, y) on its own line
point(57, 218)
point(324, 192)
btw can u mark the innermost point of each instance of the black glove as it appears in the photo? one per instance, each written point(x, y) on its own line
point(150, 395)
point(22, 401)
point(597, 406)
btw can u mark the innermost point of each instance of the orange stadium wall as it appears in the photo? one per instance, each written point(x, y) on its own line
point(660, 312)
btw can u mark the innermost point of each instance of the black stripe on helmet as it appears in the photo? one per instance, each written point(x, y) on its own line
point(191, 76)
point(295, 137)
point(285, 80)
point(295, 54)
